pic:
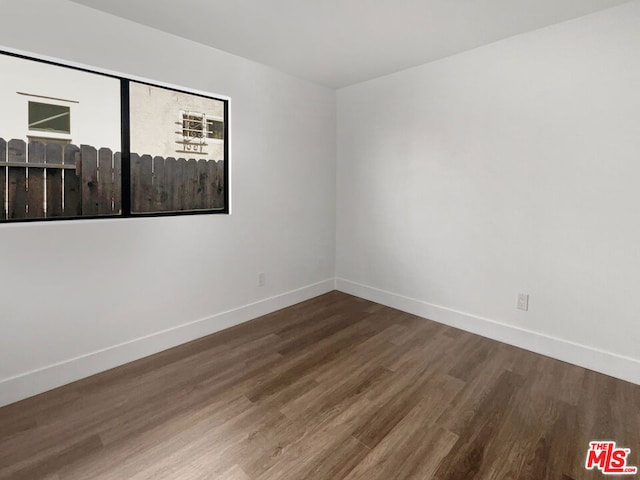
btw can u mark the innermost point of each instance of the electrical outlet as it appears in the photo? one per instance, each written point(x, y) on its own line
point(523, 301)
point(262, 279)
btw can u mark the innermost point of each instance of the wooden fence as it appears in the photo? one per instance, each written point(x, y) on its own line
point(47, 181)
point(165, 184)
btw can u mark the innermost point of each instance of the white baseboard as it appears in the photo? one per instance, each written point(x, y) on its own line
point(609, 363)
point(43, 379)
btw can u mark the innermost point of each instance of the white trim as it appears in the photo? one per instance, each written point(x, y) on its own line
point(609, 363)
point(49, 99)
point(48, 135)
point(46, 378)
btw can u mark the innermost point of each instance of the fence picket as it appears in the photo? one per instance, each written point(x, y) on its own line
point(159, 185)
point(218, 197)
point(72, 183)
point(209, 187)
point(202, 176)
point(89, 179)
point(142, 183)
point(42, 184)
point(105, 181)
point(53, 156)
point(35, 181)
point(17, 180)
point(191, 184)
point(135, 184)
point(3, 179)
point(179, 190)
point(117, 183)
point(170, 169)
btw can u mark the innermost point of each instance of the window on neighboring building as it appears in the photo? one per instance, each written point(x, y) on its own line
point(200, 125)
point(215, 129)
point(45, 117)
point(197, 128)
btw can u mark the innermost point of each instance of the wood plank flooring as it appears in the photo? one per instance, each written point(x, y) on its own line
point(333, 388)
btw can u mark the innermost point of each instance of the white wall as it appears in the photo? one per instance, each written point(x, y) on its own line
point(510, 168)
point(110, 291)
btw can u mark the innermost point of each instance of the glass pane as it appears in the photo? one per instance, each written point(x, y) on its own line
point(51, 118)
point(60, 141)
point(177, 157)
point(215, 129)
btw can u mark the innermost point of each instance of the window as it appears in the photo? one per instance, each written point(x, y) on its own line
point(193, 135)
point(197, 128)
point(45, 117)
point(201, 125)
point(138, 149)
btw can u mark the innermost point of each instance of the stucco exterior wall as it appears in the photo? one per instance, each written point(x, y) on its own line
point(156, 115)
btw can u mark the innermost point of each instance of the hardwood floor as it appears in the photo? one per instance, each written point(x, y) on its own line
point(334, 388)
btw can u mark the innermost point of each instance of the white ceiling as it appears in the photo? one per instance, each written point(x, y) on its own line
point(341, 42)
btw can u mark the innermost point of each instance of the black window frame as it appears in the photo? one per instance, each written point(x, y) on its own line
point(125, 148)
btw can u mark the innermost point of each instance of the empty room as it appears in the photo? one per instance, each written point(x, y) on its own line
point(319, 240)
